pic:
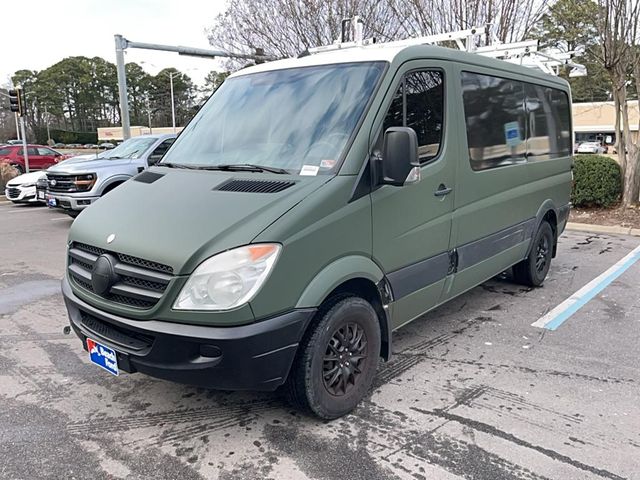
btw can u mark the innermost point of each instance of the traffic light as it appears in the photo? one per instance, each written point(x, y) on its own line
point(16, 101)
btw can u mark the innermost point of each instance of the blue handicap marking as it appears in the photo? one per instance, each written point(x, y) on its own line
point(103, 356)
point(512, 134)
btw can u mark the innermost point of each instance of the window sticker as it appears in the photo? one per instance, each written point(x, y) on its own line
point(512, 134)
point(327, 163)
point(309, 170)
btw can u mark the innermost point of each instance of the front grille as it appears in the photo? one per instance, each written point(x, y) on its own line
point(13, 192)
point(140, 283)
point(61, 183)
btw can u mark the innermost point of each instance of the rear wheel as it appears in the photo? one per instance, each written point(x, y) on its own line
point(533, 270)
point(337, 360)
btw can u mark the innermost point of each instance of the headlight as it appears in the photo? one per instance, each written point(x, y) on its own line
point(85, 182)
point(229, 279)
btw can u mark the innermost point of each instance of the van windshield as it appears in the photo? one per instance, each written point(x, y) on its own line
point(298, 119)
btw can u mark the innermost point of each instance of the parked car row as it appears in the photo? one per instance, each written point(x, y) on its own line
point(74, 183)
point(103, 145)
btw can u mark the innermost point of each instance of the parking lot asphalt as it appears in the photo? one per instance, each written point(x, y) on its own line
point(473, 391)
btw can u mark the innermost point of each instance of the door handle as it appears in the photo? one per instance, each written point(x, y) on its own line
point(442, 190)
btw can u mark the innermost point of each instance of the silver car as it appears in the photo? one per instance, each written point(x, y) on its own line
point(75, 184)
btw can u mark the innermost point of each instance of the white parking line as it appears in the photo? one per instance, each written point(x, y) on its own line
point(575, 302)
point(60, 218)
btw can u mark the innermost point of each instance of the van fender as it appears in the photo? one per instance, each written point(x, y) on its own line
point(335, 274)
point(353, 267)
point(547, 205)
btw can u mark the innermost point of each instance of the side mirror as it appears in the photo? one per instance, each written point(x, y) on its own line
point(153, 159)
point(400, 163)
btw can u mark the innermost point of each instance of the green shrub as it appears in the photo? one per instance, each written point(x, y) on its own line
point(597, 181)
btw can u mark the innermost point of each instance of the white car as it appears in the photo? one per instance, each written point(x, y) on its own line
point(22, 189)
point(590, 147)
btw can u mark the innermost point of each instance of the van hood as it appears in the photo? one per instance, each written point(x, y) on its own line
point(181, 218)
point(83, 165)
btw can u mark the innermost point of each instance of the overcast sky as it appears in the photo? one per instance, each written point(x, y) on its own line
point(51, 30)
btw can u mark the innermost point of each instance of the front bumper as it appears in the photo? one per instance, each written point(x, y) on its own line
point(67, 202)
point(20, 194)
point(257, 356)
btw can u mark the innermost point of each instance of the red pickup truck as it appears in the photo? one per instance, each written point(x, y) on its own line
point(40, 157)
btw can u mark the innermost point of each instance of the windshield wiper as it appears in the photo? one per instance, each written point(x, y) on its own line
point(244, 167)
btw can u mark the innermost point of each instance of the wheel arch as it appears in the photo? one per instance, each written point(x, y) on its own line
point(353, 275)
point(546, 212)
point(112, 183)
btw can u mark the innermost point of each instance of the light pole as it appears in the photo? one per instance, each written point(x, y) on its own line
point(173, 104)
point(15, 114)
point(46, 116)
point(149, 114)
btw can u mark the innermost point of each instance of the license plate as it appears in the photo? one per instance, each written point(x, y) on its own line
point(40, 195)
point(52, 202)
point(102, 356)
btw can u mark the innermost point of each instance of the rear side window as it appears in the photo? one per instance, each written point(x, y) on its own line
point(5, 151)
point(496, 120)
point(419, 103)
point(30, 151)
point(509, 121)
point(549, 123)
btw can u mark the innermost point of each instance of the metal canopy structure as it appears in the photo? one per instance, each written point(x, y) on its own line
point(122, 44)
point(476, 40)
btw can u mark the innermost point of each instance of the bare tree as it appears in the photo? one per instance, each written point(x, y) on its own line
point(510, 20)
point(618, 28)
point(285, 28)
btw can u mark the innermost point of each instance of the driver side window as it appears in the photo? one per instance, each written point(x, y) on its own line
point(159, 152)
point(419, 103)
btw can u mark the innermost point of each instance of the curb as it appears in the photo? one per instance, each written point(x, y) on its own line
point(586, 227)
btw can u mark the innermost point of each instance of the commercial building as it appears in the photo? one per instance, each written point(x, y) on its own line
point(595, 121)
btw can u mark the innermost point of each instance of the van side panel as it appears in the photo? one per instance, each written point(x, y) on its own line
point(496, 209)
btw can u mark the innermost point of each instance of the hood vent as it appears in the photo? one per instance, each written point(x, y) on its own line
point(254, 186)
point(148, 177)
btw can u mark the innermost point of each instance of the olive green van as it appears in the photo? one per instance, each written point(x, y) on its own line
point(312, 207)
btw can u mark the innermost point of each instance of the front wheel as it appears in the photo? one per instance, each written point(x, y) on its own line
point(533, 270)
point(337, 360)
point(72, 213)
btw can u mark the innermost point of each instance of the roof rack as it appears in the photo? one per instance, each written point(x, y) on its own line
point(478, 40)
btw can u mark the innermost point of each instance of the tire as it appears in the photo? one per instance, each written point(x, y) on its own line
point(317, 383)
point(533, 270)
point(72, 213)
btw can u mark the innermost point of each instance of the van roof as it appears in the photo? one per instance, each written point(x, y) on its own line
point(400, 54)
